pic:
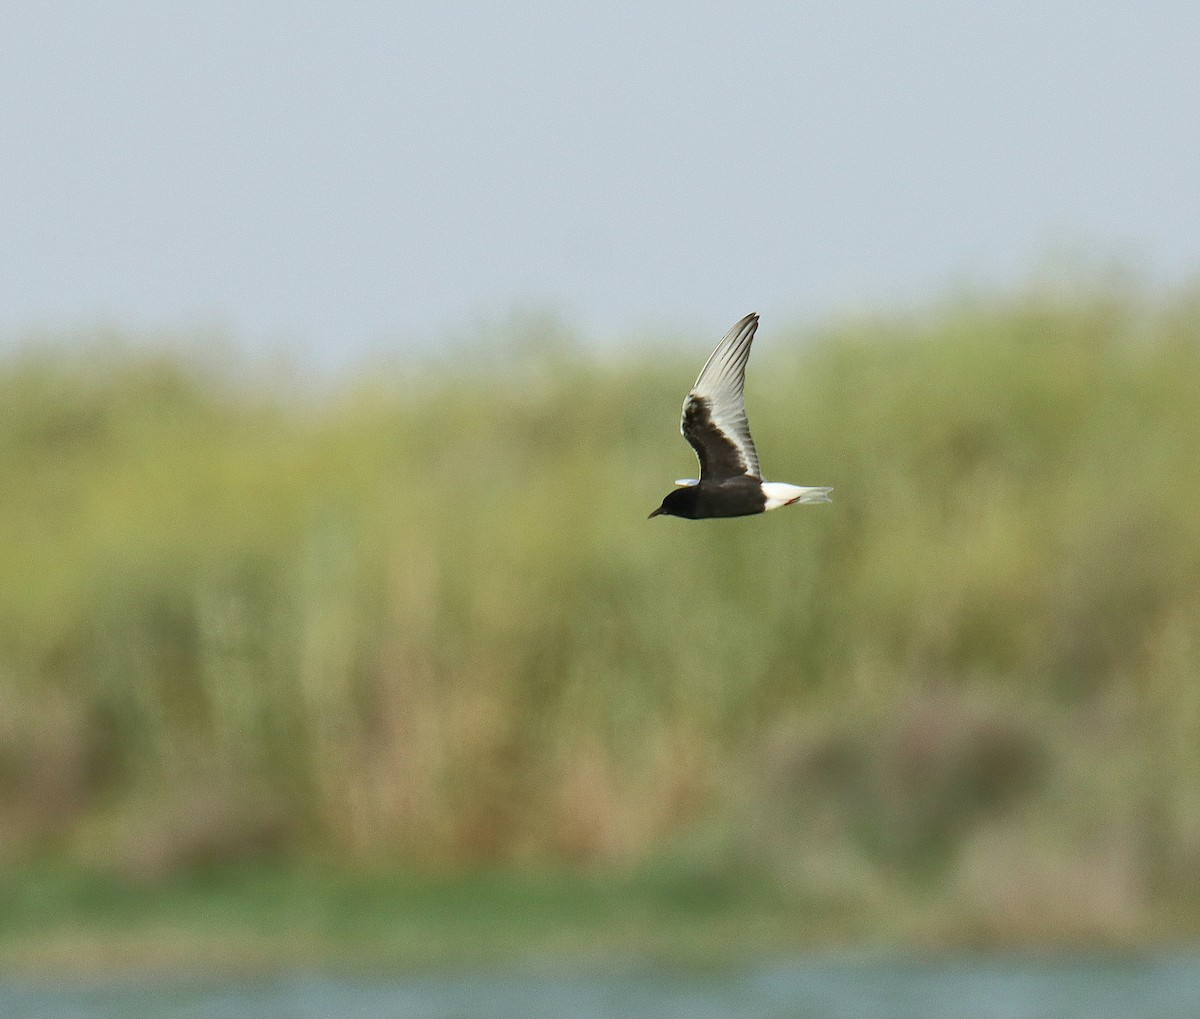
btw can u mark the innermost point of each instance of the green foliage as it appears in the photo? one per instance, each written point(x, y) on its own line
point(251, 918)
point(423, 618)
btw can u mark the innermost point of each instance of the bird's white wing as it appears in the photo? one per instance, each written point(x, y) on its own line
point(714, 413)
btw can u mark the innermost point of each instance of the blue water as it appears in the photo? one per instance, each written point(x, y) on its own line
point(1022, 988)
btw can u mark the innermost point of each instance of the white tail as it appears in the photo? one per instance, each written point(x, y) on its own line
point(779, 494)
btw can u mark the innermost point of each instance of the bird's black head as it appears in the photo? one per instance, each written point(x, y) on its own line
point(679, 503)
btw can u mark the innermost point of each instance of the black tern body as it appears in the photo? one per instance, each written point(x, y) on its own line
point(714, 422)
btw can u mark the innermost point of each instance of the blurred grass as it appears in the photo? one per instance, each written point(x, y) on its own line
point(254, 919)
point(420, 621)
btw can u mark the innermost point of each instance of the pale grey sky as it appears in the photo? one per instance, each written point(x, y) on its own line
point(349, 174)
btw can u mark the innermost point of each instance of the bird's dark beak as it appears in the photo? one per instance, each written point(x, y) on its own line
point(655, 513)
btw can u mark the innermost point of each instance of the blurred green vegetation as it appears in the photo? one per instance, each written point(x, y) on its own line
point(418, 620)
point(254, 918)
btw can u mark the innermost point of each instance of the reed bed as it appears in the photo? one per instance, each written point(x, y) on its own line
point(419, 619)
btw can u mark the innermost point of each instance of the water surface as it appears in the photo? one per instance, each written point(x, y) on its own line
point(1162, 987)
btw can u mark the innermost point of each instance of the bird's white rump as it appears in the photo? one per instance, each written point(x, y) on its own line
point(780, 494)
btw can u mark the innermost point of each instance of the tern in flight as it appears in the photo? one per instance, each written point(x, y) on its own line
point(714, 422)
